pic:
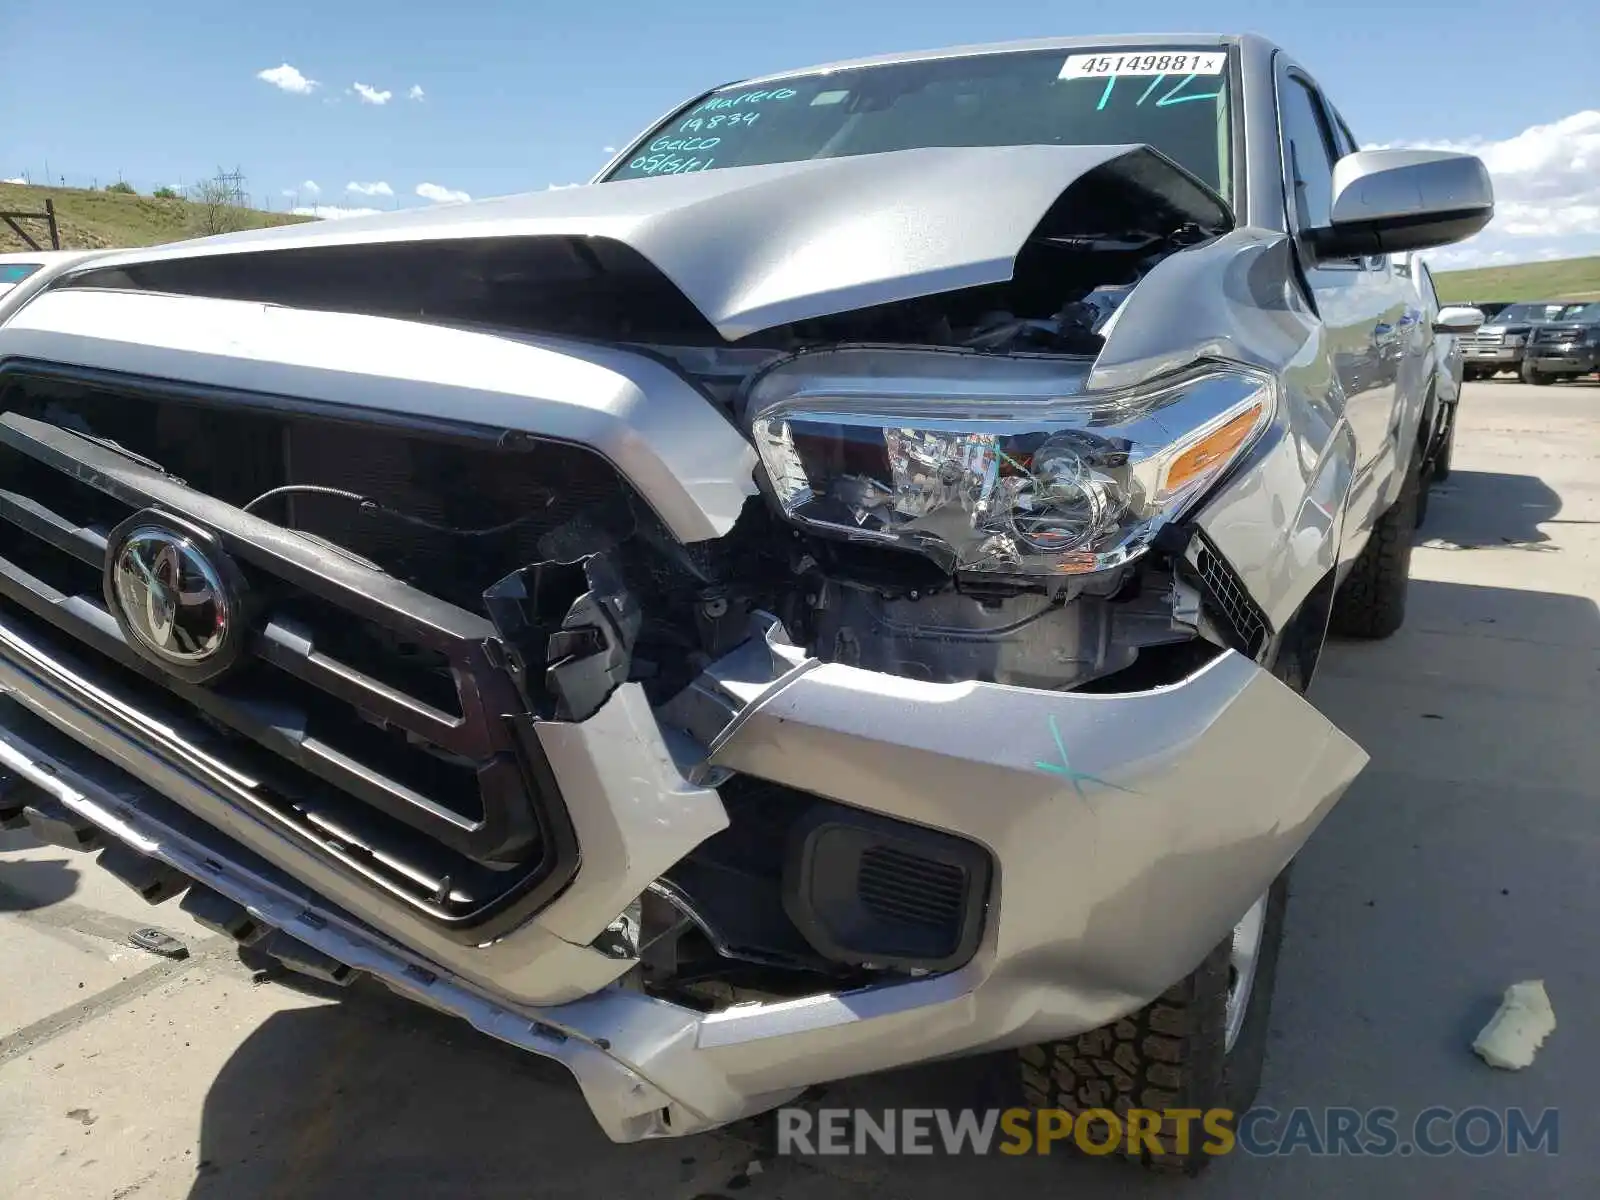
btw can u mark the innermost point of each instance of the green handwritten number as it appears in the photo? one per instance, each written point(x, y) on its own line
point(1154, 83)
point(1106, 95)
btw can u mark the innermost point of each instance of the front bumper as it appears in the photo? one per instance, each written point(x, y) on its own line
point(1564, 358)
point(1482, 355)
point(1130, 833)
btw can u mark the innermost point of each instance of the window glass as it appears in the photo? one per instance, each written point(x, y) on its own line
point(1309, 154)
point(1176, 101)
point(1429, 292)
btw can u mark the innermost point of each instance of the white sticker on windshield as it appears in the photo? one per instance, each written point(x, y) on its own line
point(829, 98)
point(1145, 62)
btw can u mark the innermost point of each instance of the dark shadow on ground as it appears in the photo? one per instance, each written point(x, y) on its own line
point(35, 883)
point(17, 839)
point(1476, 509)
point(377, 1097)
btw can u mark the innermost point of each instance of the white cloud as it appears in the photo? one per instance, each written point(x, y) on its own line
point(288, 79)
point(376, 188)
point(608, 149)
point(416, 92)
point(370, 94)
point(440, 194)
point(18, 179)
point(308, 188)
point(333, 212)
point(557, 187)
point(1547, 186)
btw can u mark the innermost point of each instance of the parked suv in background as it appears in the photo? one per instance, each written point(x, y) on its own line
point(1449, 323)
point(1498, 345)
point(1565, 347)
point(835, 593)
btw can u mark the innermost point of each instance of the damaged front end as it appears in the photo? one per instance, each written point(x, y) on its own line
point(833, 679)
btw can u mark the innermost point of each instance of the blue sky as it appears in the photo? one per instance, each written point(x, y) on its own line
point(520, 96)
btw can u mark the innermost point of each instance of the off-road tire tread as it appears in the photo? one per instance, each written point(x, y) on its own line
point(1155, 1059)
point(1168, 1055)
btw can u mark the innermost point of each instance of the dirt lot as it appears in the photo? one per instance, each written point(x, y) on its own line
point(1462, 860)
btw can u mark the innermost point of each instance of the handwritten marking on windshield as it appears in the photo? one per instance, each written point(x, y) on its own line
point(758, 97)
point(1173, 97)
point(669, 164)
point(732, 120)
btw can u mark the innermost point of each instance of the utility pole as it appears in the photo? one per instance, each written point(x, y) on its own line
point(234, 182)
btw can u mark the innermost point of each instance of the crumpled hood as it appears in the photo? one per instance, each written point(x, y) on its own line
point(756, 247)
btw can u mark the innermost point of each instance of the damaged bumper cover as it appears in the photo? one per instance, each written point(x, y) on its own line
point(1127, 833)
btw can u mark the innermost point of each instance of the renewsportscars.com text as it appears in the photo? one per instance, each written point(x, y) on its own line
point(1259, 1132)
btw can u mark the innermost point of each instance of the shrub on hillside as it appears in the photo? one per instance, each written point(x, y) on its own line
point(122, 187)
point(213, 209)
point(166, 193)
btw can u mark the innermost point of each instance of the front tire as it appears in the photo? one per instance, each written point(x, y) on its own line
point(1201, 1045)
point(1441, 460)
point(1371, 603)
point(1532, 374)
point(1189, 1049)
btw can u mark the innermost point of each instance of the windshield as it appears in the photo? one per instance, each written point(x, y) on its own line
point(1174, 100)
point(11, 273)
point(1528, 312)
point(1581, 312)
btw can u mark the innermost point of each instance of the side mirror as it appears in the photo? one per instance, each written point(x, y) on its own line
point(1391, 201)
point(1458, 319)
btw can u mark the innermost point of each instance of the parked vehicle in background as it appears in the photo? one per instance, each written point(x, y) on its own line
point(1448, 324)
point(1564, 347)
point(1499, 343)
point(836, 592)
point(1489, 308)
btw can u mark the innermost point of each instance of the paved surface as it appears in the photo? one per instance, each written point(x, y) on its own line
point(1462, 860)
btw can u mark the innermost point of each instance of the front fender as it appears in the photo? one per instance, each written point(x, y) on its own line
point(1281, 523)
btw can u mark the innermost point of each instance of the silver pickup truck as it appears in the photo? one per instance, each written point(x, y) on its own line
point(1501, 343)
point(832, 594)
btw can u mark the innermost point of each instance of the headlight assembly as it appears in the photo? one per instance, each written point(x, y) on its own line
point(997, 465)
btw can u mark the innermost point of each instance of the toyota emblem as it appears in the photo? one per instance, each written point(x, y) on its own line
point(172, 600)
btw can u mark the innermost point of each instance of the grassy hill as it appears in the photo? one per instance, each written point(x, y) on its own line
point(1564, 279)
point(89, 220)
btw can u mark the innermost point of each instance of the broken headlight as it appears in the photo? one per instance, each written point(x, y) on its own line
point(997, 465)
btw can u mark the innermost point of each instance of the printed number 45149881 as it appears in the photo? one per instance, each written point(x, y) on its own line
point(1145, 62)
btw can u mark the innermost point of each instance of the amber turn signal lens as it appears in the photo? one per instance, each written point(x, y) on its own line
point(1218, 446)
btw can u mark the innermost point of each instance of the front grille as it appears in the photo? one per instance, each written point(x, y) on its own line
point(365, 714)
point(1547, 337)
point(1483, 341)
